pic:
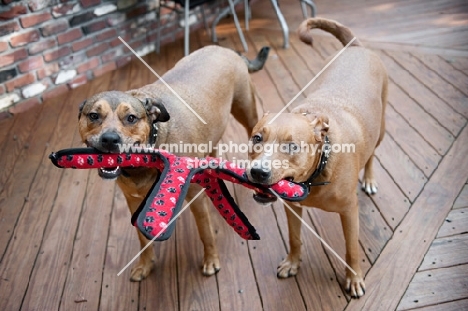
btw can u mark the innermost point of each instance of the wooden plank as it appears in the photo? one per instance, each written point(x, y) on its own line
point(308, 54)
point(404, 252)
point(328, 227)
point(292, 61)
point(196, 292)
point(118, 292)
point(268, 95)
point(25, 219)
point(373, 230)
point(52, 262)
point(160, 289)
point(286, 87)
point(16, 142)
point(420, 152)
point(390, 200)
point(436, 286)
point(266, 281)
point(83, 282)
point(457, 305)
point(242, 292)
point(5, 126)
point(456, 222)
point(462, 200)
point(444, 90)
point(266, 253)
point(460, 63)
point(404, 172)
point(316, 277)
point(446, 71)
point(437, 136)
point(446, 252)
point(443, 113)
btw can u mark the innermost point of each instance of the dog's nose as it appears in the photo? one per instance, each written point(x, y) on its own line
point(110, 140)
point(260, 174)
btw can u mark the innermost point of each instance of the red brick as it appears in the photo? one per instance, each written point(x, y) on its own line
point(78, 81)
point(53, 92)
point(13, 12)
point(111, 55)
point(20, 81)
point(89, 3)
point(7, 28)
point(48, 70)
point(3, 46)
point(34, 19)
point(56, 54)
point(25, 38)
point(76, 46)
point(93, 63)
point(42, 46)
point(54, 27)
point(2, 89)
point(24, 105)
point(31, 63)
point(94, 27)
point(69, 36)
point(115, 42)
point(110, 33)
point(97, 50)
point(136, 12)
point(13, 57)
point(103, 69)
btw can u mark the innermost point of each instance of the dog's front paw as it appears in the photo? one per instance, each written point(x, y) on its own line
point(288, 267)
point(355, 286)
point(211, 265)
point(369, 186)
point(141, 271)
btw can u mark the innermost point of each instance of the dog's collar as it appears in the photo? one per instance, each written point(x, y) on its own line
point(326, 149)
point(153, 134)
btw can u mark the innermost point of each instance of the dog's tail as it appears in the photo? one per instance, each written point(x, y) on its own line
point(257, 63)
point(341, 32)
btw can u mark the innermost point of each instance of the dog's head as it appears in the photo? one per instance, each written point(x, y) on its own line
point(288, 148)
point(110, 120)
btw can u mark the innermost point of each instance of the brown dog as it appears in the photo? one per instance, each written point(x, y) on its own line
point(214, 81)
point(346, 106)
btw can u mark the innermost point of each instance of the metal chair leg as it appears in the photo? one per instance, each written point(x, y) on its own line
point(311, 4)
point(284, 25)
point(247, 14)
point(158, 25)
point(187, 27)
point(239, 29)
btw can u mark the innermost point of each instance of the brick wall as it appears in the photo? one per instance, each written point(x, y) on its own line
point(50, 46)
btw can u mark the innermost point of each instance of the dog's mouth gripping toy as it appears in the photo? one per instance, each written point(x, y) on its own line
point(154, 217)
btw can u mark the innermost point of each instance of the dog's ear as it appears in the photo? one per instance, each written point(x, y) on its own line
point(80, 108)
point(156, 110)
point(320, 126)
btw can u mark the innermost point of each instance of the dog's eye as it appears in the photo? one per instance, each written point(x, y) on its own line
point(131, 118)
point(257, 139)
point(93, 116)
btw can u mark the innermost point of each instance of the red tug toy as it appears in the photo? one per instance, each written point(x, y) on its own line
point(168, 192)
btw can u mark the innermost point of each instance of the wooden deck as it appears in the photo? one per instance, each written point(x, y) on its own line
point(65, 234)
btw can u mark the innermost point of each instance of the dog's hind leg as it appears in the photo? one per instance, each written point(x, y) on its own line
point(369, 185)
point(244, 108)
point(200, 211)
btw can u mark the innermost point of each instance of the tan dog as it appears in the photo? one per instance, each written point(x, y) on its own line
point(214, 81)
point(345, 106)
